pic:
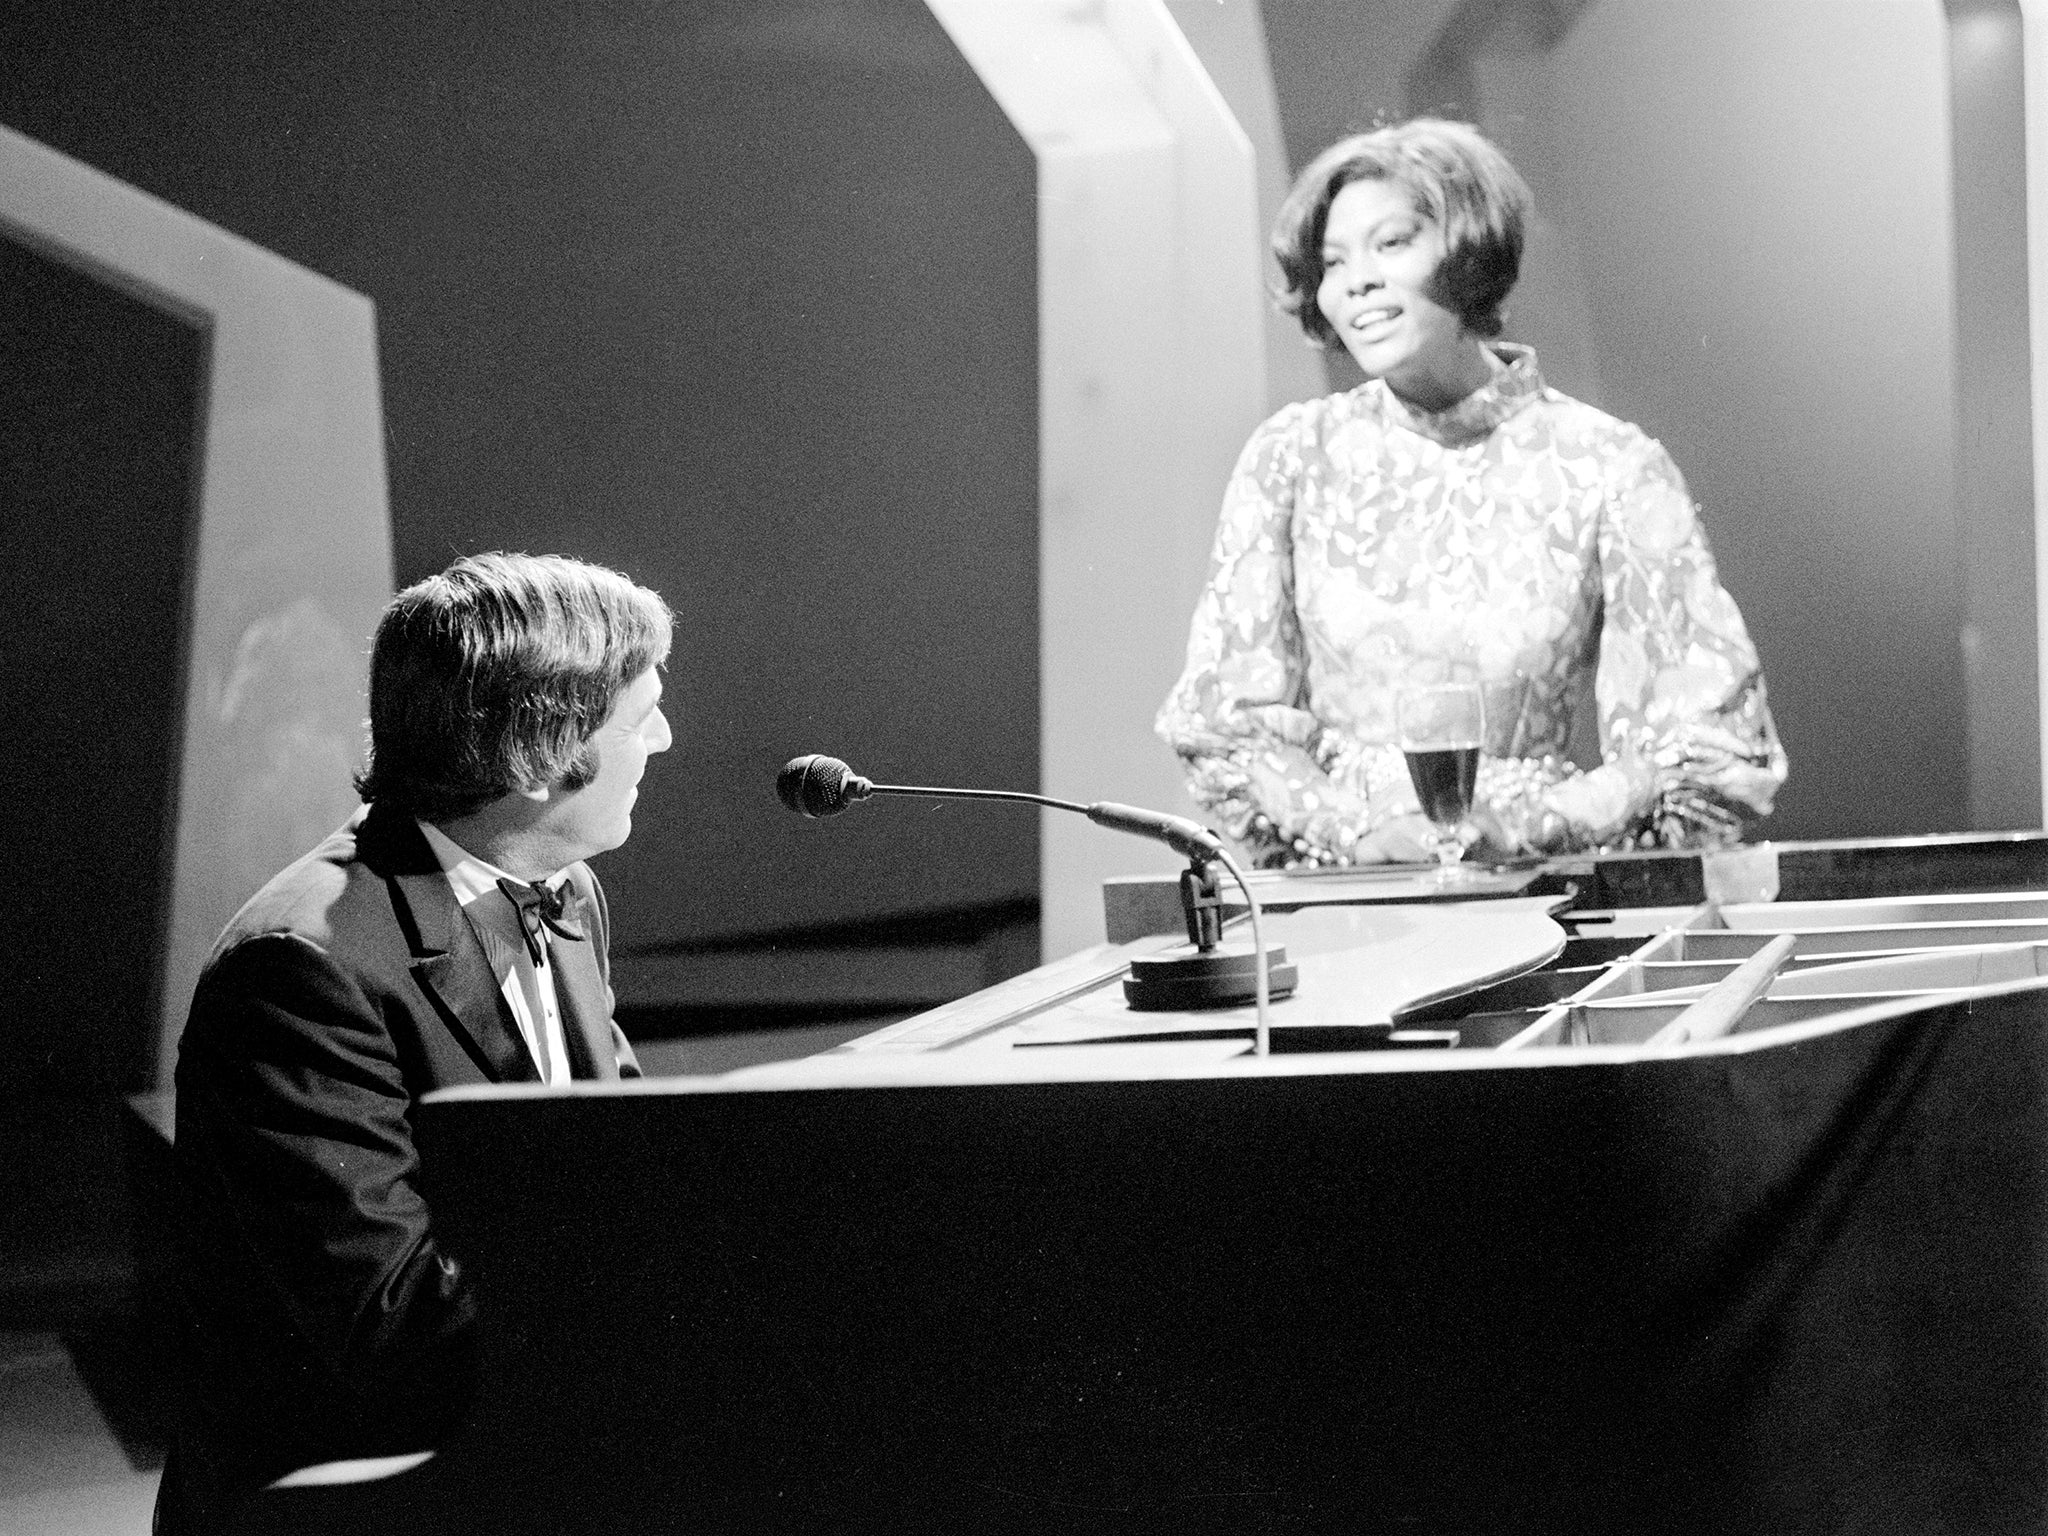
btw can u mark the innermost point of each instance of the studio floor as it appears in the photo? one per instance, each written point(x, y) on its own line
point(65, 1470)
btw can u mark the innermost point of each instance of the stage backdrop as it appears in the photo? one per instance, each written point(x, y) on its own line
point(733, 297)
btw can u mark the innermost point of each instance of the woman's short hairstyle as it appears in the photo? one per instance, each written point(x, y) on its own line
point(1456, 177)
point(493, 677)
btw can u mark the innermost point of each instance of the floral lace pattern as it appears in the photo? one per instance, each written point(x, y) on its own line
point(1519, 539)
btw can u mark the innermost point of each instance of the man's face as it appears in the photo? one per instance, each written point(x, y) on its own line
point(599, 816)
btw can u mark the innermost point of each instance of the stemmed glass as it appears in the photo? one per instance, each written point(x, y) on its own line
point(1441, 727)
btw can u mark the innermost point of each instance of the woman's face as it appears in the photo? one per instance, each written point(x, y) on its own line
point(1379, 254)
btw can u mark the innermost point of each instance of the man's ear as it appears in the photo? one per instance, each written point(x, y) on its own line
point(538, 795)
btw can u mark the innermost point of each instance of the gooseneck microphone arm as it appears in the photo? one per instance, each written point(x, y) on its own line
point(1262, 1036)
point(816, 786)
point(930, 793)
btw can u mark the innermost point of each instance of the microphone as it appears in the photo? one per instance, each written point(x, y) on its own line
point(817, 786)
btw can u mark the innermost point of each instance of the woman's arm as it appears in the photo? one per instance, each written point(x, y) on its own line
point(1691, 754)
point(1272, 774)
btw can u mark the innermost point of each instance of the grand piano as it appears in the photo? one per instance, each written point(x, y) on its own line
point(1643, 1192)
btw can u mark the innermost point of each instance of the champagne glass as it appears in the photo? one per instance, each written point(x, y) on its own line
point(1441, 727)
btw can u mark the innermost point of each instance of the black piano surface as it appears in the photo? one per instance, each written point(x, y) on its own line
point(1786, 1281)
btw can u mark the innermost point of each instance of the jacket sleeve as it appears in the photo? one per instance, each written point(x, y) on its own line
point(294, 1129)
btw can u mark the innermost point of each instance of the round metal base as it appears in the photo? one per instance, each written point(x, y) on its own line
point(1224, 977)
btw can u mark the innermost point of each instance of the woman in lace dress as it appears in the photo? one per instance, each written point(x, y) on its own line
point(1454, 518)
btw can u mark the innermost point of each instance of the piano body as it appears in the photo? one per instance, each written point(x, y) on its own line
point(1501, 1254)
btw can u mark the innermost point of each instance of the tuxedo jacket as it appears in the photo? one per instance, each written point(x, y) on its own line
point(323, 1318)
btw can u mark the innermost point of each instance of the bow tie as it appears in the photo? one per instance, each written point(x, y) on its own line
point(538, 908)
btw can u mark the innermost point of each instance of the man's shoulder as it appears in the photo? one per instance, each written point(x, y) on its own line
point(300, 898)
point(337, 895)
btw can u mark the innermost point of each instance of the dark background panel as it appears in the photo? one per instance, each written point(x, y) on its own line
point(738, 298)
point(100, 411)
point(101, 406)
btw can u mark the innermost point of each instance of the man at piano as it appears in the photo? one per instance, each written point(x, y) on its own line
point(450, 933)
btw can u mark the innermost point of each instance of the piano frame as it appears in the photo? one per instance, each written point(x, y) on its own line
point(1789, 1277)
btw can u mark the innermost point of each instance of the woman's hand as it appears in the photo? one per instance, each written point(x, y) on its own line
point(1411, 839)
point(1486, 840)
point(1404, 840)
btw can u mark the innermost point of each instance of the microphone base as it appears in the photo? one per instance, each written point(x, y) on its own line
point(1224, 977)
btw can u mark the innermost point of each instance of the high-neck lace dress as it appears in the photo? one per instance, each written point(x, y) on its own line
point(1520, 539)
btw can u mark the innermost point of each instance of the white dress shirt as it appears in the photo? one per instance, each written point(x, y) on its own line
point(529, 988)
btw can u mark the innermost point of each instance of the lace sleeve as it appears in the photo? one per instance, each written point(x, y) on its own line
point(1691, 753)
point(1256, 755)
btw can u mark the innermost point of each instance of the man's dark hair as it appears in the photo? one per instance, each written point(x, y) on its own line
point(493, 676)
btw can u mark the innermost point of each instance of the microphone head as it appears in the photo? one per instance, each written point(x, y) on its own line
point(816, 785)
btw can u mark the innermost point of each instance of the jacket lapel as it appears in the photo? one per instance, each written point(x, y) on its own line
point(448, 960)
point(580, 993)
point(583, 993)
